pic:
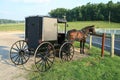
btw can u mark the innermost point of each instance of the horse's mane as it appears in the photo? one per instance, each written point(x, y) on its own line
point(87, 27)
point(72, 30)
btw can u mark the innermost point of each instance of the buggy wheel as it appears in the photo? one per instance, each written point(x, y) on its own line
point(66, 51)
point(44, 56)
point(19, 53)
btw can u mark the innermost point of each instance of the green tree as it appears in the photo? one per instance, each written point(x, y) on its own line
point(58, 13)
point(101, 11)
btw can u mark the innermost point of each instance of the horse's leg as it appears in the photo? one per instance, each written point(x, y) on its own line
point(80, 47)
point(83, 46)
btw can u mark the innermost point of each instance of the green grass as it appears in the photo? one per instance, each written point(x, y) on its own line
point(98, 24)
point(90, 68)
point(12, 27)
point(81, 24)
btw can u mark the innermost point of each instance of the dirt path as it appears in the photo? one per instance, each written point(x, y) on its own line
point(8, 71)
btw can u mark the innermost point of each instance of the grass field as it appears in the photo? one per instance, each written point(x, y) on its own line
point(98, 24)
point(72, 25)
point(90, 68)
point(12, 27)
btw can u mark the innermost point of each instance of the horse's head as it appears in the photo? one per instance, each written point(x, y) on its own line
point(89, 30)
point(92, 30)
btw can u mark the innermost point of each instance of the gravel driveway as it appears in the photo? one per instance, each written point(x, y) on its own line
point(8, 71)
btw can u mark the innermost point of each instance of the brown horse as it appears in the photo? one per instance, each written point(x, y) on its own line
point(80, 35)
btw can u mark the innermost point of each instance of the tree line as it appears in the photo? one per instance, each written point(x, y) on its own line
point(90, 12)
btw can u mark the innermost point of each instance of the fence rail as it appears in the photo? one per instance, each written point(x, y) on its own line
point(108, 30)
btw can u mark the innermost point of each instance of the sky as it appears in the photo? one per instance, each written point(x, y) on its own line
point(19, 9)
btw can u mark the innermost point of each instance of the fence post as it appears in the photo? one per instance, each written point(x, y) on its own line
point(112, 45)
point(90, 43)
point(103, 43)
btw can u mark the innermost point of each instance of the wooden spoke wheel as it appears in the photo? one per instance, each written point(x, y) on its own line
point(19, 53)
point(44, 56)
point(66, 51)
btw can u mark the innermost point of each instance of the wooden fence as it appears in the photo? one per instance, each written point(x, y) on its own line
point(103, 44)
point(103, 32)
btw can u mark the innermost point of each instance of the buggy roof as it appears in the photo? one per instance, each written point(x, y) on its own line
point(59, 20)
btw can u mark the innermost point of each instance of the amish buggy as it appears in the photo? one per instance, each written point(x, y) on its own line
point(42, 39)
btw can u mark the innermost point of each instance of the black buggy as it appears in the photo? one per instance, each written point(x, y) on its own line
point(43, 41)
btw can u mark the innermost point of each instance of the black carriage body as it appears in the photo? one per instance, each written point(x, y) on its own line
point(40, 29)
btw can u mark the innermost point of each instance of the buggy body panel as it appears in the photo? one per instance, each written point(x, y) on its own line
point(38, 29)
